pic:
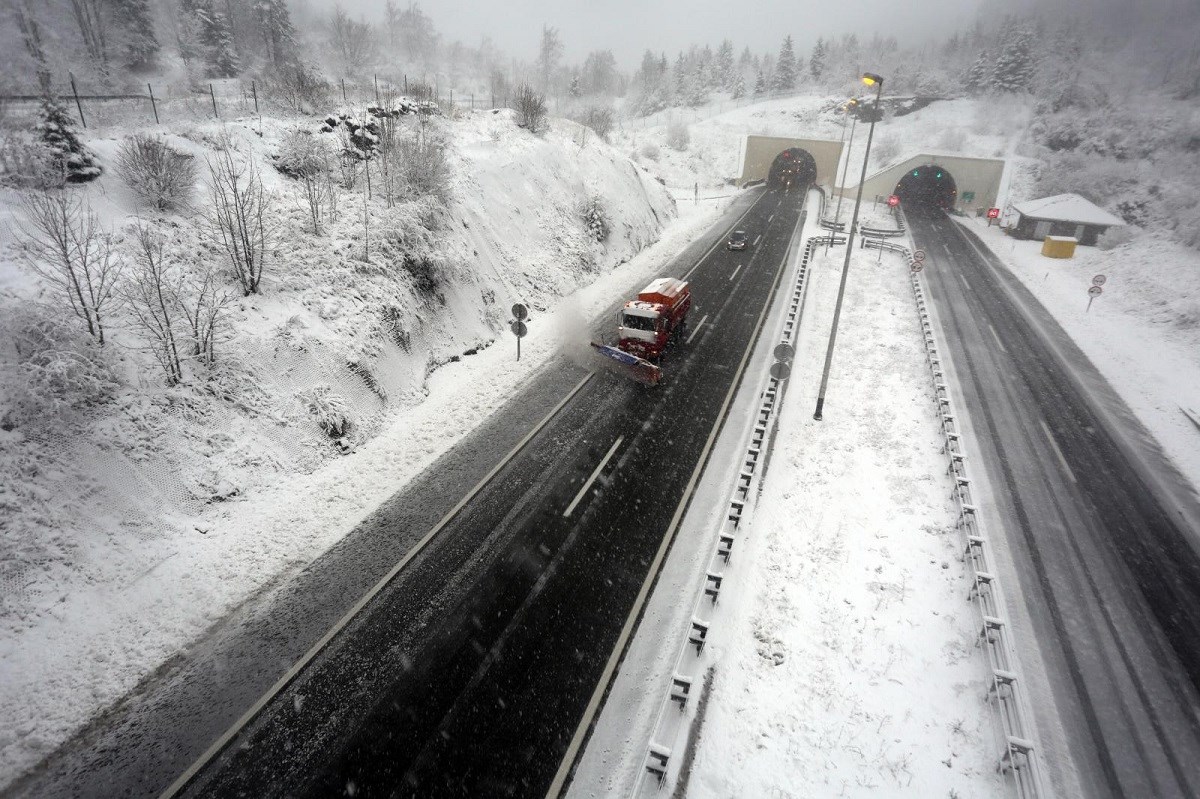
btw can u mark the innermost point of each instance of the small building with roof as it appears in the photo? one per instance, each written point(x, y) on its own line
point(1062, 215)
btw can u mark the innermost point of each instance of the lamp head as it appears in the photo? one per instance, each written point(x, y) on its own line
point(871, 79)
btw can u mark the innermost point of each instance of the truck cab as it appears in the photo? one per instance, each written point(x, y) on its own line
point(648, 322)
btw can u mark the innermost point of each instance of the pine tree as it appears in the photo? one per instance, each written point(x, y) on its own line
point(57, 133)
point(223, 59)
point(681, 80)
point(816, 63)
point(575, 89)
point(785, 68)
point(760, 84)
point(1014, 65)
point(140, 46)
point(278, 32)
point(725, 73)
point(980, 74)
point(737, 88)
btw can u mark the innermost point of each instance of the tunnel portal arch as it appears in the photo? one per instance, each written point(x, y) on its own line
point(928, 185)
point(794, 164)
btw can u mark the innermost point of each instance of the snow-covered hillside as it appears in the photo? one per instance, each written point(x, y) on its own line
point(107, 474)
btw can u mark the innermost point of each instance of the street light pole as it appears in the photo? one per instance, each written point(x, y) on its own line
point(837, 215)
point(869, 79)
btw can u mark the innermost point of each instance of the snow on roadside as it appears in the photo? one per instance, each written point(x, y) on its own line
point(847, 664)
point(137, 595)
point(1142, 333)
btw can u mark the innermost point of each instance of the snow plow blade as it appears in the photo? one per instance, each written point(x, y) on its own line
point(631, 366)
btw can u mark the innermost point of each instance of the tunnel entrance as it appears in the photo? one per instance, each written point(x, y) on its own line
point(929, 185)
point(793, 166)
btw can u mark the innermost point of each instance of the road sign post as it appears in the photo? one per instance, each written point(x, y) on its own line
point(1093, 293)
point(517, 325)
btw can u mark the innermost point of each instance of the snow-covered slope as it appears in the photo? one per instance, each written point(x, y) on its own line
point(101, 498)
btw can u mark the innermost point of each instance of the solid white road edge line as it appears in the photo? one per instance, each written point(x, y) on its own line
point(735, 271)
point(568, 759)
point(595, 474)
point(296, 668)
point(1057, 451)
point(696, 329)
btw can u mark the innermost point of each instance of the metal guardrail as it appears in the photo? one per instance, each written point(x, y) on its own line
point(660, 765)
point(1005, 694)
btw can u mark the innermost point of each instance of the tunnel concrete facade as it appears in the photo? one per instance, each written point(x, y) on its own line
point(977, 180)
point(760, 152)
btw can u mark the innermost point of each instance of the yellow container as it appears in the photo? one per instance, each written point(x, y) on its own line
point(1059, 246)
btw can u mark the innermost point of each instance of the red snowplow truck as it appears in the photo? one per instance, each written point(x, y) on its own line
point(646, 326)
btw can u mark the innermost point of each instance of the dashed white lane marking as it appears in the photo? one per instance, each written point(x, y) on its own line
point(769, 218)
point(696, 330)
point(997, 337)
point(757, 239)
point(964, 281)
point(1057, 451)
point(592, 479)
point(735, 271)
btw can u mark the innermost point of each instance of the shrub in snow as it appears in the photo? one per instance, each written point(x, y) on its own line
point(308, 158)
point(650, 151)
point(531, 108)
point(420, 167)
point(597, 117)
point(67, 153)
point(26, 164)
point(595, 219)
point(331, 410)
point(300, 87)
point(161, 176)
point(678, 136)
point(60, 374)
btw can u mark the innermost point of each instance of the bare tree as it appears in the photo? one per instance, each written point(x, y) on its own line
point(530, 107)
point(239, 216)
point(301, 87)
point(159, 174)
point(353, 41)
point(203, 303)
point(152, 296)
point(31, 36)
point(93, 27)
point(66, 246)
point(307, 158)
point(549, 53)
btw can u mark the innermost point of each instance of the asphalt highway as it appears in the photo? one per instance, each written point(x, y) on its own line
point(1102, 530)
point(469, 672)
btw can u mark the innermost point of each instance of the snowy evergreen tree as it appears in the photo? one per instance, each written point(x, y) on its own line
point(57, 133)
point(1015, 64)
point(737, 88)
point(205, 35)
point(816, 63)
point(139, 45)
point(746, 60)
point(277, 31)
point(979, 76)
point(725, 70)
point(223, 59)
point(575, 89)
point(785, 67)
point(760, 84)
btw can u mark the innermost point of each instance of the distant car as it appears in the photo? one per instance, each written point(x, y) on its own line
point(737, 241)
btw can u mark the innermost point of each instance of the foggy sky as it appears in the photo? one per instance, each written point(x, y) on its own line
point(628, 27)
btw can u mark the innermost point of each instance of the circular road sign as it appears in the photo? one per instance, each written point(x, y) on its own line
point(784, 352)
point(918, 255)
point(780, 370)
point(918, 266)
point(520, 312)
point(519, 329)
point(1099, 280)
point(1095, 291)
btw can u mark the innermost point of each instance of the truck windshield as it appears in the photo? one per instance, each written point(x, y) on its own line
point(638, 322)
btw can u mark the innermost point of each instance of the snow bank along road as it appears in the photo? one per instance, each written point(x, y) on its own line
point(1100, 530)
point(469, 672)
